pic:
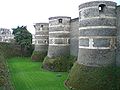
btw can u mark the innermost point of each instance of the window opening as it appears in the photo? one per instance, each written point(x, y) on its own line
point(60, 20)
point(41, 26)
point(101, 8)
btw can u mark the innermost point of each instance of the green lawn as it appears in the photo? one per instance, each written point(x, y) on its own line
point(28, 75)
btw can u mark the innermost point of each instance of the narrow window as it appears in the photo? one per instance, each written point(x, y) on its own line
point(60, 20)
point(101, 7)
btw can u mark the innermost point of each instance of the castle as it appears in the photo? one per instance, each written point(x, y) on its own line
point(96, 30)
point(61, 32)
point(93, 37)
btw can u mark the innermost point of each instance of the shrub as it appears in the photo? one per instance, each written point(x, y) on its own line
point(62, 63)
point(38, 56)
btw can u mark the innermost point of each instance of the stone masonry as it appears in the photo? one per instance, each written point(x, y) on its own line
point(41, 41)
point(99, 48)
point(67, 31)
point(41, 37)
point(97, 33)
point(118, 36)
point(59, 36)
point(92, 35)
point(6, 35)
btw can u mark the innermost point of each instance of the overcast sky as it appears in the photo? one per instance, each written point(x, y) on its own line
point(28, 12)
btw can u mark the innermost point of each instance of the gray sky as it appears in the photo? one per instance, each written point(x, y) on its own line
point(28, 12)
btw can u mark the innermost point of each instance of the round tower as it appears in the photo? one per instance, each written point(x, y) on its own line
point(41, 41)
point(59, 45)
point(97, 44)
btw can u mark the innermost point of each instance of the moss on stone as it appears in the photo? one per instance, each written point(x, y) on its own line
point(2, 69)
point(62, 63)
point(118, 78)
point(38, 56)
point(91, 78)
point(2, 80)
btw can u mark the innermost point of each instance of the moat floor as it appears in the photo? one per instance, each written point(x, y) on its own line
point(28, 75)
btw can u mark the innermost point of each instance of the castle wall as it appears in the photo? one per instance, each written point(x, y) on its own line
point(118, 37)
point(97, 33)
point(74, 33)
point(59, 36)
point(94, 33)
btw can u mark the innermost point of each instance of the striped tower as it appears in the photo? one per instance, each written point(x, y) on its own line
point(59, 45)
point(97, 39)
point(41, 41)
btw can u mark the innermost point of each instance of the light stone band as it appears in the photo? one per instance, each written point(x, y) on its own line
point(97, 37)
point(59, 44)
point(100, 17)
point(59, 32)
point(97, 27)
point(60, 25)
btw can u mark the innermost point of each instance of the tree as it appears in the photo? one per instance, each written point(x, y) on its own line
point(22, 37)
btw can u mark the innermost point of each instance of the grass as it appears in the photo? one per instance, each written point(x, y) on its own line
point(28, 75)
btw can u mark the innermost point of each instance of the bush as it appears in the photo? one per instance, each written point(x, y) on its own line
point(91, 78)
point(38, 56)
point(27, 52)
point(62, 63)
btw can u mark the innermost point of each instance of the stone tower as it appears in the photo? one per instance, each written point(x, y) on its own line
point(97, 37)
point(59, 42)
point(41, 41)
point(97, 46)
